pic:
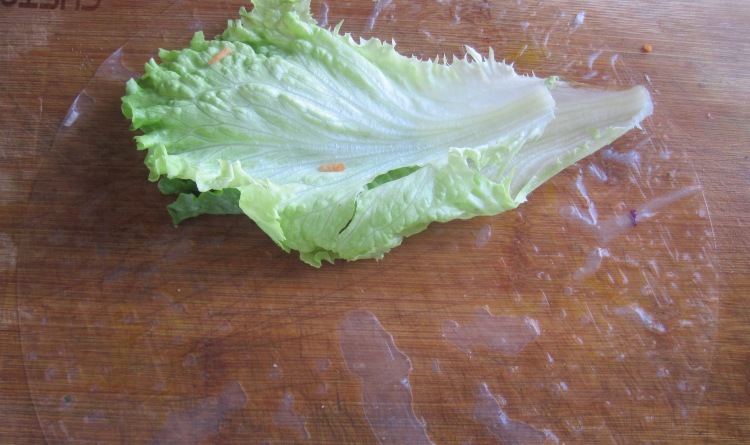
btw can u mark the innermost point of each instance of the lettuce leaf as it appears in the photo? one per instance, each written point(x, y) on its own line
point(339, 149)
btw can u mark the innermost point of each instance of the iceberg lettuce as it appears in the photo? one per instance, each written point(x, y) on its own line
point(339, 148)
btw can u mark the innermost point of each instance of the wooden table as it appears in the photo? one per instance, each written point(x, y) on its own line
point(117, 328)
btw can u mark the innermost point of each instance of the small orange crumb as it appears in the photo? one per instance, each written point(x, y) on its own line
point(647, 48)
point(220, 55)
point(332, 168)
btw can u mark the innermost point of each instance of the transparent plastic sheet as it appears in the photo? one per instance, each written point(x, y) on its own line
point(209, 331)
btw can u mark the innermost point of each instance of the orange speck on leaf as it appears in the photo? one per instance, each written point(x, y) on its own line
point(332, 168)
point(647, 48)
point(220, 55)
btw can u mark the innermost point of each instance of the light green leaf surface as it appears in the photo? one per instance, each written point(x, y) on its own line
point(419, 141)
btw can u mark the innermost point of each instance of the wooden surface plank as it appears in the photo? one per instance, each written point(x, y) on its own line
point(90, 341)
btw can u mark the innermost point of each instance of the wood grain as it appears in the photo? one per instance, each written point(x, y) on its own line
point(117, 328)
